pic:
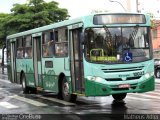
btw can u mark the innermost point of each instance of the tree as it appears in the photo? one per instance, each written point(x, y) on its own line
point(3, 19)
point(152, 19)
point(35, 13)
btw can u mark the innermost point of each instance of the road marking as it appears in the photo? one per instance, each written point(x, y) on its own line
point(145, 95)
point(6, 81)
point(33, 102)
point(8, 105)
point(157, 81)
point(57, 101)
point(156, 90)
point(152, 93)
point(136, 98)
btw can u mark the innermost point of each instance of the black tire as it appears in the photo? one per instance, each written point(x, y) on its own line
point(65, 92)
point(24, 86)
point(119, 97)
point(157, 73)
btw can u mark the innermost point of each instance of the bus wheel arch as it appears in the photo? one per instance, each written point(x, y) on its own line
point(21, 75)
point(23, 83)
point(64, 89)
point(60, 78)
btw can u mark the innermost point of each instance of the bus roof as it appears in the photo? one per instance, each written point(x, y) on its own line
point(46, 27)
point(58, 25)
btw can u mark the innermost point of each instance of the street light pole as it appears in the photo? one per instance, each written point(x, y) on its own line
point(137, 6)
point(119, 4)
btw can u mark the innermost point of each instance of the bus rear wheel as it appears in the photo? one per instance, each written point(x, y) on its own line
point(119, 97)
point(65, 92)
point(24, 86)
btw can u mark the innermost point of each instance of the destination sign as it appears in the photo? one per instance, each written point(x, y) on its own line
point(119, 19)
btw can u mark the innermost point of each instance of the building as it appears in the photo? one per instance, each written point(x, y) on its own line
point(156, 38)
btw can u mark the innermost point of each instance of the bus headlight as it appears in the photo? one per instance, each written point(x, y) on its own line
point(94, 78)
point(148, 75)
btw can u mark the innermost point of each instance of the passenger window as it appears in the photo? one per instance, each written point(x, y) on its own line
point(48, 44)
point(20, 50)
point(28, 47)
point(61, 49)
point(61, 45)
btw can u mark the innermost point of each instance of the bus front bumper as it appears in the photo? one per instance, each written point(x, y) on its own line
point(94, 88)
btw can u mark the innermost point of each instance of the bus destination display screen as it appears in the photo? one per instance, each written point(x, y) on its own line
point(119, 19)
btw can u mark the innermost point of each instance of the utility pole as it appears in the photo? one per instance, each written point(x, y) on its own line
point(137, 6)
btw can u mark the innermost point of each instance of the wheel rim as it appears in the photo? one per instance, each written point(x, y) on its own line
point(23, 83)
point(66, 89)
point(158, 73)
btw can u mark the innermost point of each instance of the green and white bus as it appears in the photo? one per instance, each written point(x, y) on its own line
point(95, 55)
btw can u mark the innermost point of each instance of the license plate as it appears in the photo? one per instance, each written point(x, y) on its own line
point(124, 86)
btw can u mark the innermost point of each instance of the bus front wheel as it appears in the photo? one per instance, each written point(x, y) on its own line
point(157, 72)
point(65, 92)
point(120, 96)
point(24, 86)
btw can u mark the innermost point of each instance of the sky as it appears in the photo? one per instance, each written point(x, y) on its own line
point(78, 8)
point(75, 7)
point(152, 6)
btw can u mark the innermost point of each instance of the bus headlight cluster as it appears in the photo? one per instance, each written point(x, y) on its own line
point(94, 78)
point(148, 75)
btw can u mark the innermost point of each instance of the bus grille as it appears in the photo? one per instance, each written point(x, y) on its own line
point(122, 69)
point(119, 79)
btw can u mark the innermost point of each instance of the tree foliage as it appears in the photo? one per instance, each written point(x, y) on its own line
point(3, 32)
point(35, 13)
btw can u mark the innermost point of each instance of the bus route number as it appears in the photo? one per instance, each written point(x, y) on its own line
point(136, 74)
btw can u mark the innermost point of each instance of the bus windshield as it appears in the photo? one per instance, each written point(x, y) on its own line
point(117, 44)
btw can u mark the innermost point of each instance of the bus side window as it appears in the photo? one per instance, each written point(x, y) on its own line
point(28, 47)
point(28, 53)
point(48, 44)
point(61, 49)
point(61, 45)
point(20, 49)
point(56, 36)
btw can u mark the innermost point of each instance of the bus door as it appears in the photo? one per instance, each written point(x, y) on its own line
point(37, 59)
point(76, 60)
point(13, 61)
